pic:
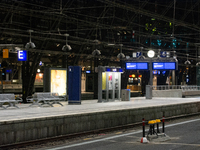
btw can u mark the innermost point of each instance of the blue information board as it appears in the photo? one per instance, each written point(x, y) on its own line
point(164, 65)
point(137, 65)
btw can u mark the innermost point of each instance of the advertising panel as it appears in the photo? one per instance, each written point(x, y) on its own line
point(5, 53)
point(103, 81)
point(58, 81)
point(110, 81)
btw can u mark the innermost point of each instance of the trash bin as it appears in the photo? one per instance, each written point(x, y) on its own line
point(126, 94)
point(148, 92)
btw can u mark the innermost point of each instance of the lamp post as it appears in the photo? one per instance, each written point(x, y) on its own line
point(96, 53)
point(121, 56)
point(150, 54)
point(28, 75)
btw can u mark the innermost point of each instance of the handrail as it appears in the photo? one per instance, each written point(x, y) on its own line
point(182, 87)
point(12, 86)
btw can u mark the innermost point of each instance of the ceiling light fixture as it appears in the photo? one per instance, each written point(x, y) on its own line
point(187, 62)
point(30, 44)
point(66, 47)
point(120, 55)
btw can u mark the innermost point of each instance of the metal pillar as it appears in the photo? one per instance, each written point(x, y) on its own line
point(7, 76)
point(100, 70)
point(1, 81)
point(151, 73)
point(96, 61)
point(107, 87)
point(173, 77)
point(149, 87)
point(20, 74)
point(29, 69)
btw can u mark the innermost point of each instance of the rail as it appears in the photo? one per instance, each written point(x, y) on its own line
point(12, 86)
point(166, 87)
point(183, 87)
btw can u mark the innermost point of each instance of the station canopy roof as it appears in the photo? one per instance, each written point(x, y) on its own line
point(107, 26)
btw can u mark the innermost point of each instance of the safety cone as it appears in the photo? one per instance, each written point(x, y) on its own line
point(144, 140)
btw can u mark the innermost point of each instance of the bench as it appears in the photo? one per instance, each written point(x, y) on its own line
point(9, 99)
point(45, 98)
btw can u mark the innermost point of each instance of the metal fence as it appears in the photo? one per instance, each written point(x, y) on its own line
point(183, 87)
point(190, 88)
point(12, 86)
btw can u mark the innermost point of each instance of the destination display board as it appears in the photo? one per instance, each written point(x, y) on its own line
point(137, 65)
point(164, 65)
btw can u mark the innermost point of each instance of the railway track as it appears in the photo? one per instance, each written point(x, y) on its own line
point(82, 134)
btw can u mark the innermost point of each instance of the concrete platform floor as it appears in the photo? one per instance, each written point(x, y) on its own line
point(87, 106)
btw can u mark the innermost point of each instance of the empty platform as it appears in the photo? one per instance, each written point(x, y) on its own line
point(30, 123)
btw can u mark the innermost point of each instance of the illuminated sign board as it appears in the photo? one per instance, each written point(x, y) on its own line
point(58, 80)
point(137, 65)
point(163, 54)
point(114, 70)
point(164, 65)
point(5, 53)
point(138, 54)
point(8, 70)
point(22, 55)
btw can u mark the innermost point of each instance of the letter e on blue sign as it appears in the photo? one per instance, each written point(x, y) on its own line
point(22, 55)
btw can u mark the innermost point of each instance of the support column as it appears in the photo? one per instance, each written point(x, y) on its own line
point(100, 70)
point(149, 87)
point(173, 77)
point(7, 76)
point(24, 82)
point(1, 81)
point(151, 74)
point(96, 61)
point(20, 74)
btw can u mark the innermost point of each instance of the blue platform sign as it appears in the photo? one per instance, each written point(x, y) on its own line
point(137, 65)
point(138, 54)
point(163, 53)
point(164, 65)
point(22, 55)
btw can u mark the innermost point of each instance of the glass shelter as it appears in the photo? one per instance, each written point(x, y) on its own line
point(109, 83)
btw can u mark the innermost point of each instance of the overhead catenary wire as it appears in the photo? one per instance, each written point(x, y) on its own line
point(79, 40)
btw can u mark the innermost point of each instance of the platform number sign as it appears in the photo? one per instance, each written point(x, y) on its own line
point(22, 55)
point(138, 54)
point(163, 54)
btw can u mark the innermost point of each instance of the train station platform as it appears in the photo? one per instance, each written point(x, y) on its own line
point(31, 123)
